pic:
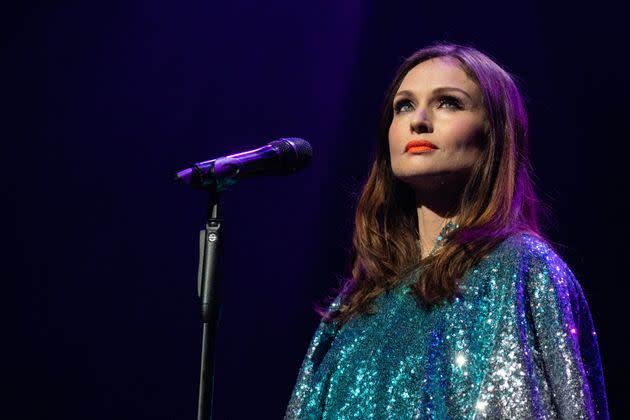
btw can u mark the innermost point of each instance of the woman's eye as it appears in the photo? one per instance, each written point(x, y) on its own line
point(449, 102)
point(403, 105)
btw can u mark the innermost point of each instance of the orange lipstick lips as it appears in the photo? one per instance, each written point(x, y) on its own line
point(419, 146)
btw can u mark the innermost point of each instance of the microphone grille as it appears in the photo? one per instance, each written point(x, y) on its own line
point(298, 152)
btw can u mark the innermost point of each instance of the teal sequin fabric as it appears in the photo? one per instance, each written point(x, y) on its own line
point(517, 342)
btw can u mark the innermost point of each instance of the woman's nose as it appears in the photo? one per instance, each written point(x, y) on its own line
point(421, 122)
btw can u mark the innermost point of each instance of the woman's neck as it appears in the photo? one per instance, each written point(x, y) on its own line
point(435, 208)
point(430, 224)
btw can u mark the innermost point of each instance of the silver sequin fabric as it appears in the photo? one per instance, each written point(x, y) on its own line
point(517, 342)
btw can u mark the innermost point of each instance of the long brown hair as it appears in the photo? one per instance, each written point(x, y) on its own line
point(497, 201)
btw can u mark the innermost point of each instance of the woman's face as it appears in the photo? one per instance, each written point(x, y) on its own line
point(438, 123)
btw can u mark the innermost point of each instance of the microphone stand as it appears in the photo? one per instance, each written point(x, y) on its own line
point(208, 288)
point(280, 157)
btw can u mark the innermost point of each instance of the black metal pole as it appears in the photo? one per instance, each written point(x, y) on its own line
point(209, 293)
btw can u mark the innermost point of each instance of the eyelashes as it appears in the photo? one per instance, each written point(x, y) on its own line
point(445, 102)
point(401, 104)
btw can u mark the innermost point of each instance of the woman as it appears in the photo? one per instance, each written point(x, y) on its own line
point(457, 306)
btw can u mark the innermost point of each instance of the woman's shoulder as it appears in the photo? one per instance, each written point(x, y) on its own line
point(533, 259)
point(529, 246)
point(531, 255)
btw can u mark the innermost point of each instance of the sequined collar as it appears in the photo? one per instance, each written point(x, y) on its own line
point(448, 228)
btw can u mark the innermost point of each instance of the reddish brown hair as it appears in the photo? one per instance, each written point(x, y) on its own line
point(497, 201)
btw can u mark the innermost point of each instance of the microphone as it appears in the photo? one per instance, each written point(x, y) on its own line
point(279, 157)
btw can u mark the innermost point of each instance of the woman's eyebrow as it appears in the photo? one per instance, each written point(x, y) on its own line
point(435, 91)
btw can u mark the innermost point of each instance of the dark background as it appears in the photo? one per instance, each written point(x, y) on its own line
point(104, 101)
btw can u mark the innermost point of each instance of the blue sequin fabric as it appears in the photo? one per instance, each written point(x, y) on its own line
point(517, 342)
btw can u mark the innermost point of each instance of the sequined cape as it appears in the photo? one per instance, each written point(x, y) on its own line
point(517, 342)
